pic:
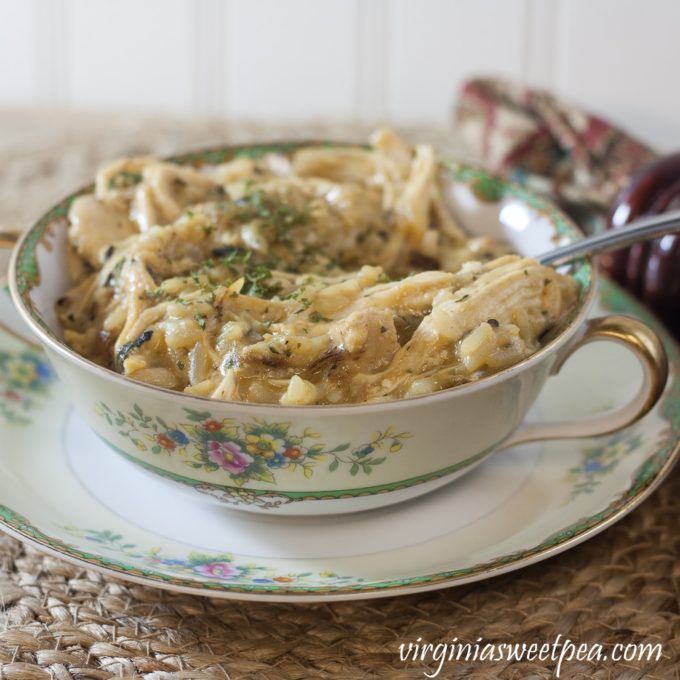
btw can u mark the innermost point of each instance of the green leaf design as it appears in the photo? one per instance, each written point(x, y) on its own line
point(197, 416)
point(341, 447)
point(196, 438)
point(265, 476)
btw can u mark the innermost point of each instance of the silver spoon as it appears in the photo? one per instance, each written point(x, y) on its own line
point(639, 230)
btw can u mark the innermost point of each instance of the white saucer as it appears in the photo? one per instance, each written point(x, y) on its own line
point(64, 491)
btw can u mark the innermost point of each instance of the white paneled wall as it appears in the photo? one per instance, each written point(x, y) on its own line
point(434, 45)
point(130, 52)
point(623, 57)
point(292, 58)
point(18, 51)
point(298, 60)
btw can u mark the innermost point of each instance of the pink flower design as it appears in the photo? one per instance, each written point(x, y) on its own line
point(229, 456)
point(221, 570)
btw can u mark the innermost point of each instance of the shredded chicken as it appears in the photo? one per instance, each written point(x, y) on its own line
point(330, 275)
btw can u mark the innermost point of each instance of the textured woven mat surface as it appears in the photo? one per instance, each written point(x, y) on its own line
point(63, 622)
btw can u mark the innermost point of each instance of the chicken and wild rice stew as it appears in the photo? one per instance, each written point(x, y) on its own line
point(333, 275)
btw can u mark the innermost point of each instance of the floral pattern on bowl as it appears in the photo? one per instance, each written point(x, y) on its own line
point(248, 451)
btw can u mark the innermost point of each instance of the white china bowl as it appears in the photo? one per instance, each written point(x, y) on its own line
point(332, 459)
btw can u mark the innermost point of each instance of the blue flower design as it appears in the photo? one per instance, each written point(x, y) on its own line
point(592, 466)
point(600, 460)
point(277, 461)
point(366, 451)
point(178, 436)
point(44, 370)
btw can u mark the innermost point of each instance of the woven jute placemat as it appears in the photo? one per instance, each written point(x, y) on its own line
point(61, 621)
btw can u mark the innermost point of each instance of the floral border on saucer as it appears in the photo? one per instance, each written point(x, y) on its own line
point(219, 567)
point(599, 460)
point(25, 376)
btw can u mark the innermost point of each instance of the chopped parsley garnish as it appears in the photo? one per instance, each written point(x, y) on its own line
point(306, 303)
point(272, 213)
point(317, 316)
point(200, 319)
point(256, 282)
point(233, 254)
point(125, 179)
point(115, 272)
point(296, 293)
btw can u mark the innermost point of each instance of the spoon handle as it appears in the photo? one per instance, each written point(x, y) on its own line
point(640, 230)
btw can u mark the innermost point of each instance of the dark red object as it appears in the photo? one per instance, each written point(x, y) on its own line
point(650, 270)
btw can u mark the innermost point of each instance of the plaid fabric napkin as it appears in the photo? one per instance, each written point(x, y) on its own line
point(551, 146)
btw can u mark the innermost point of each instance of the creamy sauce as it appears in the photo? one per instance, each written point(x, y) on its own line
point(335, 275)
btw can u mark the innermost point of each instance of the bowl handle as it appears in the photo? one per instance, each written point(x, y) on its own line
point(638, 338)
